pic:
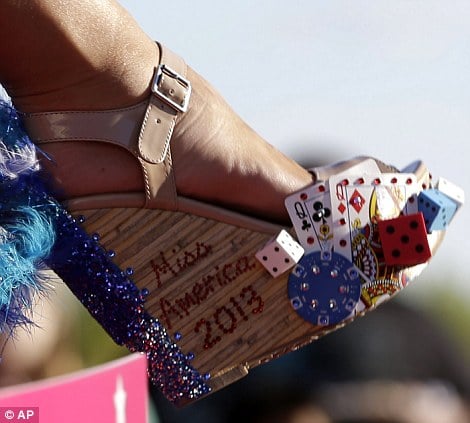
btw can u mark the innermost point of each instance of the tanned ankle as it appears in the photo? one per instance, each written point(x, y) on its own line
point(65, 66)
point(235, 167)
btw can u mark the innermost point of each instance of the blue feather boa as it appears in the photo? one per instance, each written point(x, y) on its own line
point(26, 231)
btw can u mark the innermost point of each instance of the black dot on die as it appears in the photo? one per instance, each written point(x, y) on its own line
point(274, 269)
point(265, 258)
point(419, 248)
point(396, 253)
point(390, 229)
point(414, 224)
point(276, 249)
point(405, 239)
point(286, 260)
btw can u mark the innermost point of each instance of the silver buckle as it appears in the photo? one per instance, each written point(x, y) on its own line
point(167, 71)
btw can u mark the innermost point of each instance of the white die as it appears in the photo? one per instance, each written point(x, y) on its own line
point(280, 254)
point(452, 191)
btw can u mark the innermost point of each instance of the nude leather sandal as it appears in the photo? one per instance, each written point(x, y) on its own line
point(205, 310)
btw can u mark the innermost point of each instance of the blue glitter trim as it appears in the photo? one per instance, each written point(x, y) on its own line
point(115, 301)
point(106, 291)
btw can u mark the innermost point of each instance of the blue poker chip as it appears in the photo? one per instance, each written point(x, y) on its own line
point(324, 288)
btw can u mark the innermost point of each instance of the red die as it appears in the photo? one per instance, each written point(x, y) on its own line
point(404, 240)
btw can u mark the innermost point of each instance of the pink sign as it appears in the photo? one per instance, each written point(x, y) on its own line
point(112, 393)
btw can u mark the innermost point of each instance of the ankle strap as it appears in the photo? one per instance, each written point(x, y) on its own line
point(144, 130)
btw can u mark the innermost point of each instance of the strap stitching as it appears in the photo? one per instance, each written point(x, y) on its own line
point(81, 112)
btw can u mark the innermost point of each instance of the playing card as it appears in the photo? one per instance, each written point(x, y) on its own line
point(358, 201)
point(310, 213)
point(310, 210)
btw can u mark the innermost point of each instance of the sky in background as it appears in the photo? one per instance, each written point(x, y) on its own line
point(330, 80)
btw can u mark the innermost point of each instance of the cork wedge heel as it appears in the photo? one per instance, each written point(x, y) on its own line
point(205, 285)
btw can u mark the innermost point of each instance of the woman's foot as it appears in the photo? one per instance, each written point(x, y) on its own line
point(216, 157)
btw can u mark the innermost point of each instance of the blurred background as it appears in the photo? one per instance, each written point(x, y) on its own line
point(324, 81)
